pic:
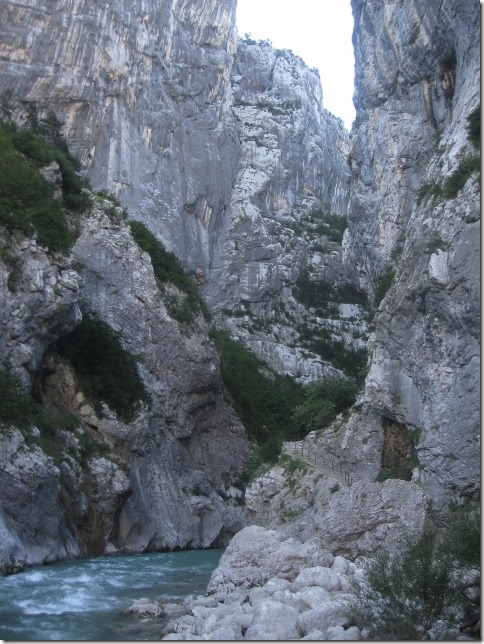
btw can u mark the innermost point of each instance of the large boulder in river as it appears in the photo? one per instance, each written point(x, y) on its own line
point(255, 554)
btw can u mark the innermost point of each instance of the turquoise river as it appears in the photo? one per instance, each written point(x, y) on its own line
point(84, 599)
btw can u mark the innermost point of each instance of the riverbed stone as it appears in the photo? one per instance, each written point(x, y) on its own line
point(339, 633)
point(322, 617)
point(325, 578)
point(255, 555)
point(275, 619)
point(145, 607)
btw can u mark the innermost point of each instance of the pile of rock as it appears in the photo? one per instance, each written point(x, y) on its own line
point(313, 606)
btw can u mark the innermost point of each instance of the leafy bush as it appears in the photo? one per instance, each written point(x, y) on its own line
point(320, 293)
point(319, 340)
point(428, 190)
point(474, 127)
point(457, 180)
point(332, 226)
point(17, 407)
point(168, 270)
point(263, 399)
point(106, 371)
point(383, 283)
point(324, 401)
point(26, 198)
point(407, 595)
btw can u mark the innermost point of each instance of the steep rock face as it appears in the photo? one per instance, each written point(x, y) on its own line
point(164, 480)
point(417, 81)
point(184, 451)
point(311, 506)
point(38, 299)
point(144, 91)
point(222, 151)
point(292, 171)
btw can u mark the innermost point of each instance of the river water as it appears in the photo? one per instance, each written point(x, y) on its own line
point(84, 599)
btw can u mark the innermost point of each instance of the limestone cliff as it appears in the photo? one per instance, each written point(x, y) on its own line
point(414, 222)
point(413, 245)
point(221, 147)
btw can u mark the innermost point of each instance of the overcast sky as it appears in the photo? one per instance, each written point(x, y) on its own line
point(317, 30)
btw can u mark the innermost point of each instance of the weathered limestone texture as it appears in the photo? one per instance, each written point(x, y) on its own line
point(417, 81)
point(221, 147)
point(184, 451)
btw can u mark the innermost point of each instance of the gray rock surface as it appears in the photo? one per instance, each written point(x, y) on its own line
point(277, 609)
point(221, 147)
point(318, 510)
point(189, 439)
point(417, 81)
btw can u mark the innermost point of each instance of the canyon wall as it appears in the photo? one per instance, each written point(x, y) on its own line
point(223, 149)
point(413, 239)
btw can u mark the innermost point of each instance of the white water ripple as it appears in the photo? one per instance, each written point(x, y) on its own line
point(85, 599)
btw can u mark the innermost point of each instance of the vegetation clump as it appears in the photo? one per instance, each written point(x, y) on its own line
point(27, 199)
point(262, 398)
point(324, 400)
point(275, 408)
point(474, 127)
point(383, 284)
point(426, 588)
point(332, 226)
point(106, 371)
point(468, 166)
point(168, 270)
point(320, 294)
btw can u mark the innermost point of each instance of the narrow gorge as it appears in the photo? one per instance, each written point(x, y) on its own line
point(178, 208)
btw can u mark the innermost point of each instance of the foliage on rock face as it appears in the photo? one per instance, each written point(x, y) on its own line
point(19, 409)
point(383, 283)
point(332, 226)
point(27, 200)
point(468, 166)
point(324, 401)
point(106, 371)
point(474, 127)
point(319, 294)
point(424, 589)
point(457, 180)
point(262, 398)
point(168, 270)
point(274, 408)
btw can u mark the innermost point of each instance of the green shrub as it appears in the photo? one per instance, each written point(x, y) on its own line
point(428, 190)
point(417, 590)
point(457, 180)
point(168, 270)
point(406, 594)
point(17, 407)
point(332, 226)
point(27, 199)
point(263, 399)
point(474, 127)
point(106, 371)
point(319, 340)
point(325, 399)
point(320, 294)
point(383, 284)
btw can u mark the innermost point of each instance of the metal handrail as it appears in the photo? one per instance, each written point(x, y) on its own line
point(318, 460)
